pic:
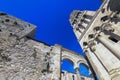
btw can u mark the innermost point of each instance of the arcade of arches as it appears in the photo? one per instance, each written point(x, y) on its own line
point(24, 58)
point(72, 65)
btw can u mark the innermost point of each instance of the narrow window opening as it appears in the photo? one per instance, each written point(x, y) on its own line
point(82, 78)
point(113, 39)
point(73, 77)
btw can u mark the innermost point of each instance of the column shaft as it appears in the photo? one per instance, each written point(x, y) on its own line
point(97, 66)
point(110, 61)
point(78, 74)
point(113, 47)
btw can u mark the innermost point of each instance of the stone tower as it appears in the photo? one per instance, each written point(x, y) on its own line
point(98, 33)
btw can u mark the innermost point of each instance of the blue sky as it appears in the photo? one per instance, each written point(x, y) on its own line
point(51, 18)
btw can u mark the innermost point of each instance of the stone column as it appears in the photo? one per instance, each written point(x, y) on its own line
point(78, 73)
point(67, 77)
point(113, 47)
point(97, 66)
point(109, 60)
point(56, 55)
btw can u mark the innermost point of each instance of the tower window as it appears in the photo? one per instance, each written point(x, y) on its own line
point(113, 39)
point(82, 78)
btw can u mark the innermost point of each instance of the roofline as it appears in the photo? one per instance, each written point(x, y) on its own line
point(38, 41)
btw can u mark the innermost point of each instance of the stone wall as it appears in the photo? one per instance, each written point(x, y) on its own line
point(24, 58)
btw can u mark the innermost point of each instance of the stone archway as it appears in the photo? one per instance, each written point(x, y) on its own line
point(85, 64)
point(69, 59)
point(76, 60)
point(84, 70)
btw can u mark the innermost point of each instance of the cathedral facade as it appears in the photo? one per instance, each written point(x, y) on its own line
point(98, 33)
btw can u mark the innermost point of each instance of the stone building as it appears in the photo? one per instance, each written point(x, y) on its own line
point(98, 33)
point(24, 58)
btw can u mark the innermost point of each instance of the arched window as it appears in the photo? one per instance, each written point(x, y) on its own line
point(68, 65)
point(84, 70)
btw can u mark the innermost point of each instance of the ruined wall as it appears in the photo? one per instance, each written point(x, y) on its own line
point(23, 58)
point(18, 60)
point(49, 59)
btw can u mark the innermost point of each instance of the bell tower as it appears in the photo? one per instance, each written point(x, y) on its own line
point(99, 36)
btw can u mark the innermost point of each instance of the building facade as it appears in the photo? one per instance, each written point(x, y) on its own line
point(98, 33)
point(24, 58)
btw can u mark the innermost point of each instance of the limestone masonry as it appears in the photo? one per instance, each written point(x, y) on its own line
point(99, 36)
point(24, 58)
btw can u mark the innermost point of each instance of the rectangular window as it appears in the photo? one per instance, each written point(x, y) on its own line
point(113, 39)
point(82, 78)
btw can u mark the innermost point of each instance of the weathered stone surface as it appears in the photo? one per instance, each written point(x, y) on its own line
point(23, 58)
point(20, 63)
point(16, 26)
point(100, 39)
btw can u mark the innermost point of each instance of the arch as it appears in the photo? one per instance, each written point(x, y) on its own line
point(84, 69)
point(69, 59)
point(83, 62)
point(67, 65)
